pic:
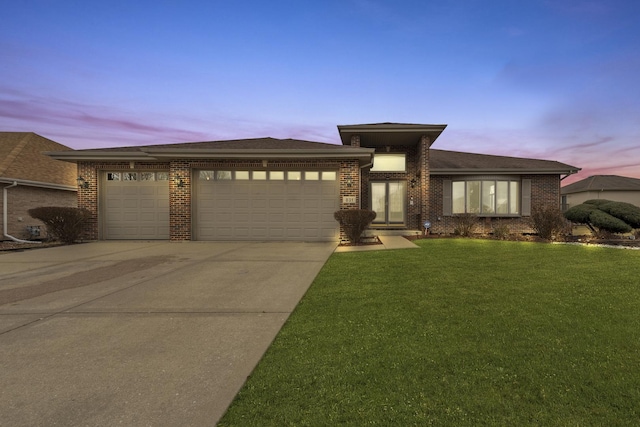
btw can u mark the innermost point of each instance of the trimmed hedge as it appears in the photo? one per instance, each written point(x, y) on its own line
point(605, 215)
point(625, 211)
point(354, 222)
point(606, 222)
point(62, 223)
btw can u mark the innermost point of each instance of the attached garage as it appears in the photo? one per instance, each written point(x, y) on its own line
point(249, 189)
point(135, 205)
point(266, 205)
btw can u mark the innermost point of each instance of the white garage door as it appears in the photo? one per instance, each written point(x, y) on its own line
point(136, 205)
point(266, 205)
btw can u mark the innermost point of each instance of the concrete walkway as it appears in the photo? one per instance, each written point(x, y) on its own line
point(141, 333)
point(388, 242)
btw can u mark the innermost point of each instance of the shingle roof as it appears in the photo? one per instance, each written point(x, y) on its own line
point(443, 161)
point(383, 134)
point(260, 148)
point(21, 158)
point(235, 144)
point(603, 183)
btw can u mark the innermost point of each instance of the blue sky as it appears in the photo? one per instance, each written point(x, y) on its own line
point(554, 80)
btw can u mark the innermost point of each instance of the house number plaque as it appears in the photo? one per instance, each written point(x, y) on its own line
point(348, 199)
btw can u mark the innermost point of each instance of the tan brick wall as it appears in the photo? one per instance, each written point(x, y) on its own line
point(22, 198)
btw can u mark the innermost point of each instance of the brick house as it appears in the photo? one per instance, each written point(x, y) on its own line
point(286, 189)
point(410, 183)
point(30, 179)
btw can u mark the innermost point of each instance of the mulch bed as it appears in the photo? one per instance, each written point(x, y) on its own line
point(11, 246)
point(364, 241)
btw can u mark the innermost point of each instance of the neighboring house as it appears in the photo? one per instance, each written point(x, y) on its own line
point(286, 189)
point(30, 179)
point(608, 187)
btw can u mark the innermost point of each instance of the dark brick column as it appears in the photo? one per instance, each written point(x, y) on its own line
point(180, 200)
point(425, 179)
point(88, 198)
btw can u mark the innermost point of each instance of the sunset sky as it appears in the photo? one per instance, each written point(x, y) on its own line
point(557, 79)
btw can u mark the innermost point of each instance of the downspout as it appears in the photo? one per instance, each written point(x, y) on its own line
point(360, 183)
point(5, 215)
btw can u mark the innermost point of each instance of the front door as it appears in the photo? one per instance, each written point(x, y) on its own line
point(388, 200)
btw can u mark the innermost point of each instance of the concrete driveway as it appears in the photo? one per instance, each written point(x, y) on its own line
point(141, 333)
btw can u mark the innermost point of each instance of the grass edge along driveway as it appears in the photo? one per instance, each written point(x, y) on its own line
point(460, 332)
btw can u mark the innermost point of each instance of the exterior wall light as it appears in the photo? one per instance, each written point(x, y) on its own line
point(179, 181)
point(82, 183)
point(413, 183)
point(349, 181)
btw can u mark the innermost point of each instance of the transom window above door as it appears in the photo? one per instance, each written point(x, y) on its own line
point(389, 162)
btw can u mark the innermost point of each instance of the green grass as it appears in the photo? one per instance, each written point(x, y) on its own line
point(460, 332)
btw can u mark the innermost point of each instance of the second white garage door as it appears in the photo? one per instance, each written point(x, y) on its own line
point(266, 205)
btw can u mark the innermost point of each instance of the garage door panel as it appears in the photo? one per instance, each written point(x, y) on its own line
point(242, 232)
point(293, 204)
point(277, 204)
point(294, 217)
point(243, 218)
point(130, 203)
point(148, 203)
point(135, 209)
point(145, 190)
point(260, 204)
point(266, 209)
point(311, 204)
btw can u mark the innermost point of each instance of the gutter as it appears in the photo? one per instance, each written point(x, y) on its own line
point(571, 172)
point(5, 215)
point(39, 184)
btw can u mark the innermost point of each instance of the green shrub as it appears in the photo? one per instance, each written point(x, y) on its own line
point(580, 213)
point(501, 232)
point(354, 222)
point(606, 222)
point(625, 211)
point(464, 224)
point(62, 223)
point(547, 221)
point(602, 215)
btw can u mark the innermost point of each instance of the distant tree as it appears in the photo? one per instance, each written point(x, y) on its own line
point(605, 216)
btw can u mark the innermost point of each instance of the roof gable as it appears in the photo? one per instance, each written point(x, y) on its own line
point(22, 158)
point(603, 183)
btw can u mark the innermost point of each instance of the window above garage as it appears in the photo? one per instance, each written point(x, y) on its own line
point(137, 176)
point(389, 162)
point(261, 175)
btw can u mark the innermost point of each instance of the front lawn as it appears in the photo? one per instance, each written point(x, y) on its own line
point(459, 332)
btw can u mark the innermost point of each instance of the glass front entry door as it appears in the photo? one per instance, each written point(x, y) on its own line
point(388, 201)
